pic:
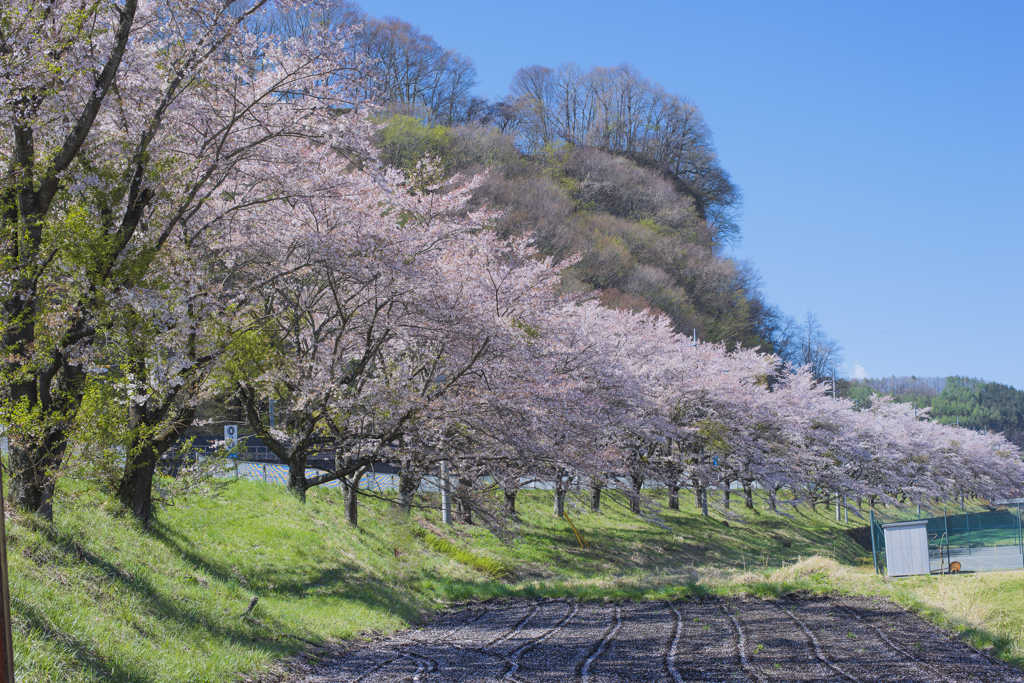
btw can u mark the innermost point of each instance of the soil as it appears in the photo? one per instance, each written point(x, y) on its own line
point(849, 639)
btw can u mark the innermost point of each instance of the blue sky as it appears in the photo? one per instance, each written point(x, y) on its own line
point(879, 147)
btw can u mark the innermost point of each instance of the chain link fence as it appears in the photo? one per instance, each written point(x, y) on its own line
point(986, 539)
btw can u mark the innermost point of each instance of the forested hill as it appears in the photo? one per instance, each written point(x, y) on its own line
point(603, 163)
point(641, 241)
point(969, 402)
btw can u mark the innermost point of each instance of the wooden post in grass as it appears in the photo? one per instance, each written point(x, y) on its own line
point(6, 644)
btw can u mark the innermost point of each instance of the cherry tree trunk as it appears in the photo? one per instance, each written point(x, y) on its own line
point(562, 483)
point(463, 503)
point(637, 481)
point(560, 492)
point(351, 486)
point(510, 501)
point(595, 497)
point(33, 466)
point(673, 497)
point(726, 495)
point(297, 479)
point(748, 495)
point(408, 485)
point(32, 481)
point(463, 510)
point(135, 490)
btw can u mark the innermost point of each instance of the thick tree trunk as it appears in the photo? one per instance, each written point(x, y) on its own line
point(725, 496)
point(562, 484)
point(135, 490)
point(637, 481)
point(559, 502)
point(510, 501)
point(748, 495)
point(32, 480)
point(595, 497)
point(673, 497)
point(408, 485)
point(297, 479)
point(704, 501)
point(463, 503)
point(463, 511)
point(351, 486)
point(35, 465)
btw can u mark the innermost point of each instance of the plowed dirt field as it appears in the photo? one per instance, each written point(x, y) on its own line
point(553, 641)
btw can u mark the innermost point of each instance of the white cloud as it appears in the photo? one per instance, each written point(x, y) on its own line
point(859, 372)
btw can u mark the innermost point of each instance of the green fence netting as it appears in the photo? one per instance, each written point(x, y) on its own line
point(986, 538)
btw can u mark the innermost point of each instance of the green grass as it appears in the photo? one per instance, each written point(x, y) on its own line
point(491, 567)
point(97, 598)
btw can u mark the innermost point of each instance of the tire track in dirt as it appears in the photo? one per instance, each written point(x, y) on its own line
point(907, 656)
point(583, 673)
point(636, 647)
point(516, 656)
point(495, 658)
point(559, 658)
point(794, 640)
point(434, 643)
point(816, 646)
point(862, 647)
point(929, 649)
point(705, 645)
point(777, 648)
point(673, 645)
point(740, 645)
point(446, 637)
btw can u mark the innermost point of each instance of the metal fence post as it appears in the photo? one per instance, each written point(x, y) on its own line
point(1020, 537)
point(264, 473)
point(968, 518)
point(874, 550)
point(945, 522)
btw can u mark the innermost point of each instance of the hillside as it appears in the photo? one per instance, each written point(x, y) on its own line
point(642, 239)
point(966, 401)
point(97, 599)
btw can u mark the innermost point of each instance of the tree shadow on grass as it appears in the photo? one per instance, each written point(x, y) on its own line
point(188, 614)
point(345, 580)
point(88, 658)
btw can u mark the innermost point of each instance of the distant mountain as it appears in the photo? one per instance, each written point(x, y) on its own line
point(970, 402)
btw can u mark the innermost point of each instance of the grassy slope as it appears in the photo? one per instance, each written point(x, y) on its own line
point(95, 598)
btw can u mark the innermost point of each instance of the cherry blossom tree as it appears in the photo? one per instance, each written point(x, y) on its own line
point(130, 128)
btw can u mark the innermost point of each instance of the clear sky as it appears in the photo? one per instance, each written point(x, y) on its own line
point(879, 147)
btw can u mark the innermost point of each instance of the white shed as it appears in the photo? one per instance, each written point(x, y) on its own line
point(906, 548)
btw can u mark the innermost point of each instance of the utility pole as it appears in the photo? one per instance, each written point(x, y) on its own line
point(446, 495)
point(874, 549)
